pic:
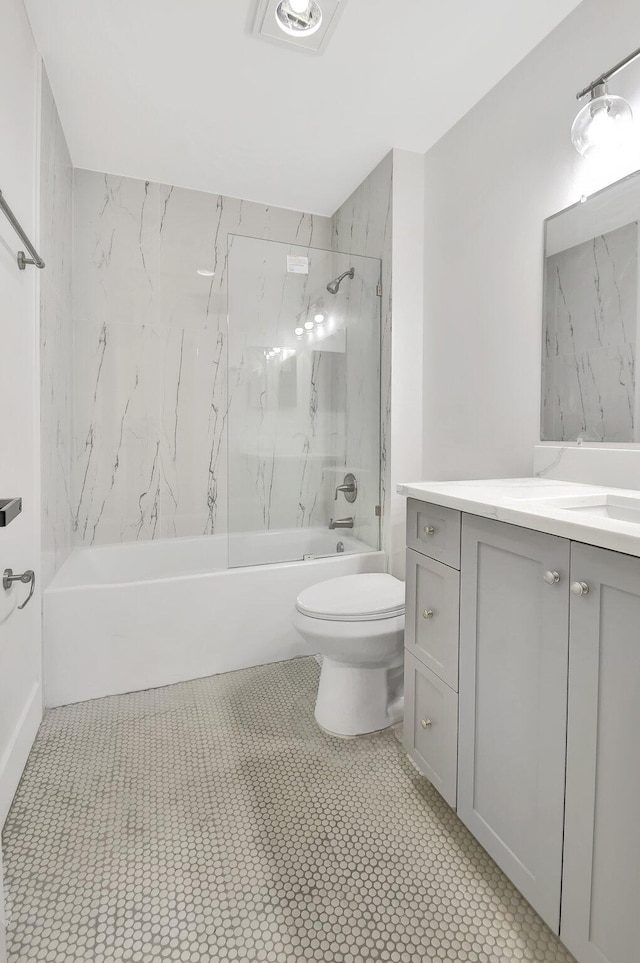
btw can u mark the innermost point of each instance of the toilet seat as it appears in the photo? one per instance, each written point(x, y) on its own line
point(353, 598)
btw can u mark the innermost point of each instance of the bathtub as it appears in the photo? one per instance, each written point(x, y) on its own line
point(139, 615)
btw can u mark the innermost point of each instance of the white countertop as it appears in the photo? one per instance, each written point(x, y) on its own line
point(544, 505)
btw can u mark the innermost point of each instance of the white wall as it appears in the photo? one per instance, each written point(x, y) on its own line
point(20, 632)
point(56, 336)
point(407, 258)
point(490, 183)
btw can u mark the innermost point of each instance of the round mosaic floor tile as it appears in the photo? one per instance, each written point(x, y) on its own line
point(213, 821)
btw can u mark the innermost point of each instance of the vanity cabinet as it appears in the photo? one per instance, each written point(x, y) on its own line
point(432, 615)
point(543, 728)
point(513, 702)
point(431, 726)
point(434, 531)
point(601, 880)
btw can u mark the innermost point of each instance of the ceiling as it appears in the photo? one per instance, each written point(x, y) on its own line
point(180, 91)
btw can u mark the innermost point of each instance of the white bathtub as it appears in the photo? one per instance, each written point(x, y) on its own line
point(139, 615)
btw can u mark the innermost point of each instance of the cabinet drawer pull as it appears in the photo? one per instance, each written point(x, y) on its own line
point(429, 530)
point(579, 588)
point(427, 614)
point(551, 578)
point(426, 723)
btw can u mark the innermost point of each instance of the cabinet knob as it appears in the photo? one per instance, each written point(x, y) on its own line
point(579, 588)
point(426, 723)
point(551, 578)
point(427, 614)
point(429, 530)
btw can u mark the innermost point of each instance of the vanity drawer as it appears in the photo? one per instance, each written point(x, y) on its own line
point(430, 734)
point(432, 615)
point(434, 531)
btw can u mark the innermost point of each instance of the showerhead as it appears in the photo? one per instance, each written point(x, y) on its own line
point(334, 286)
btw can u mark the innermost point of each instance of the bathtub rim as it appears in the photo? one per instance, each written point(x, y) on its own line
point(52, 588)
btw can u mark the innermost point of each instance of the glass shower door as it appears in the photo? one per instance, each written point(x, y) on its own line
point(304, 402)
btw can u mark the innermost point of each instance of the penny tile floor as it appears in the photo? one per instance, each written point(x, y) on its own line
point(213, 820)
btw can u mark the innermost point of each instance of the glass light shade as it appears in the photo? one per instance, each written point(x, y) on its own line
point(605, 122)
point(299, 23)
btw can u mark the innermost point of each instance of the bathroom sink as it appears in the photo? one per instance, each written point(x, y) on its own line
point(622, 508)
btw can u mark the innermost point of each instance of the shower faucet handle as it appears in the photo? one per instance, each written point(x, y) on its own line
point(349, 487)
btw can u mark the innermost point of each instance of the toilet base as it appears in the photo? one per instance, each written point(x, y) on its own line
point(354, 700)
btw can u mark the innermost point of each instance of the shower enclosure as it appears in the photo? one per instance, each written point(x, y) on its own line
point(301, 355)
point(304, 402)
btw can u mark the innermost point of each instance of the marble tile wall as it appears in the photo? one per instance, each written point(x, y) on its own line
point(590, 343)
point(150, 353)
point(55, 242)
point(363, 226)
point(612, 465)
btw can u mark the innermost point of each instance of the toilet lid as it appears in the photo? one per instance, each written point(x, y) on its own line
point(353, 598)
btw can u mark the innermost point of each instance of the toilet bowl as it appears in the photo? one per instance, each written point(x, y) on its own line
point(357, 624)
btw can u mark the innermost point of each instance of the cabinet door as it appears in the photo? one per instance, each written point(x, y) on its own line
point(513, 702)
point(430, 732)
point(601, 883)
point(432, 614)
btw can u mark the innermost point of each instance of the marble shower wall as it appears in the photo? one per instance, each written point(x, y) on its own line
point(363, 225)
point(55, 243)
point(150, 363)
point(591, 305)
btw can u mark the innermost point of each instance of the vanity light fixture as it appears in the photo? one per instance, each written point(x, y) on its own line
point(606, 119)
point(299, 18)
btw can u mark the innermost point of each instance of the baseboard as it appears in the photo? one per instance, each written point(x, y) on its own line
point(15, 757)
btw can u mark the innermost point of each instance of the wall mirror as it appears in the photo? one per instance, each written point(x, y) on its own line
point(590, 318)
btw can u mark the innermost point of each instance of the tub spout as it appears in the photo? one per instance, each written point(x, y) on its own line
point(340, 523)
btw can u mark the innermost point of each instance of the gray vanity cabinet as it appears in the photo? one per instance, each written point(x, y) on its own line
point(547, 704)
point(513, 702)
point(430, 730)
point(601, 883)
point(432, 613)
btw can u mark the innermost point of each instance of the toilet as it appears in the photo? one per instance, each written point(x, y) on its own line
point(356, 623)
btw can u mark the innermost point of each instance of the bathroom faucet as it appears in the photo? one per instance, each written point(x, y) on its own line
point(340, 523)
point(349, 487)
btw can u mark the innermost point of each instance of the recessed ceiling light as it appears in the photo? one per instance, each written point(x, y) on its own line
point(298, 331)
point(205, 273)
point(298, 22)
point(319, 318)
point(308, 325)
